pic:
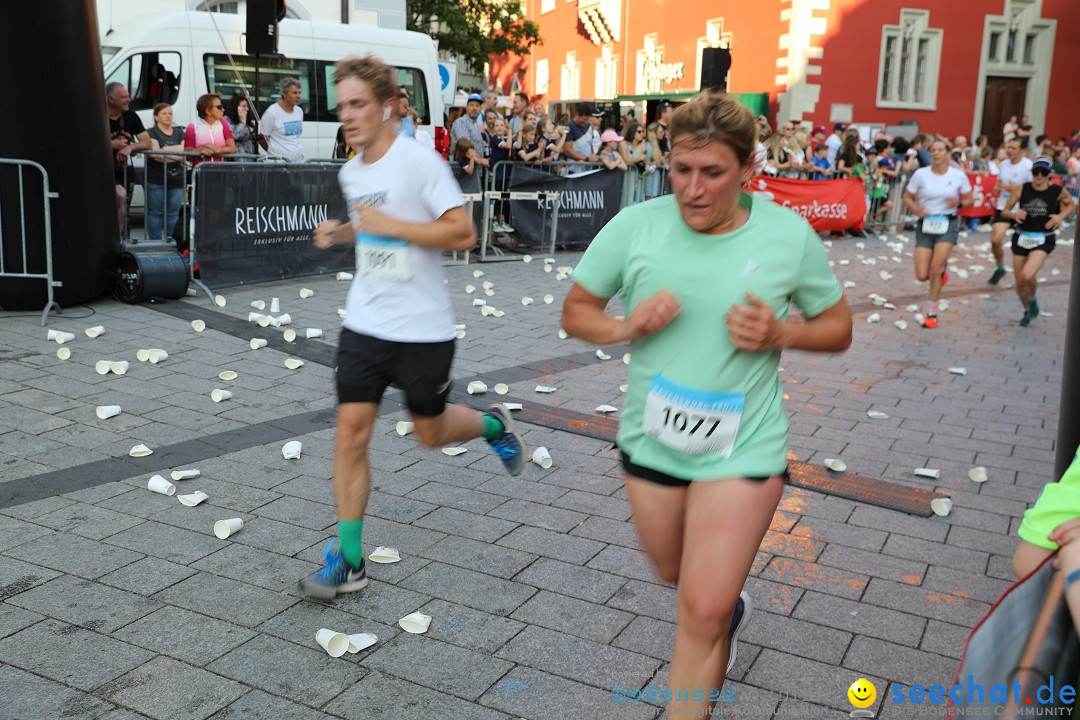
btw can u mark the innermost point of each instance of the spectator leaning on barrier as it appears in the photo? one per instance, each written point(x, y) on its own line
point(465, 126)
point(817, 137)
point(609, 150)
point(834, 142)
point(242, 124)
point(127, 136)
point(662, 138)
point(821, 160)
point(209, 135)
point(634, 149)
point(164, 175)
point(518, 106)
point(554, 138)
point(579, 133)
point(283, 124)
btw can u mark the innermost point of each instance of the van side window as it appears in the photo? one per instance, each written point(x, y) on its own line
point(222, 76)
point(411, 78)
point(151, 78)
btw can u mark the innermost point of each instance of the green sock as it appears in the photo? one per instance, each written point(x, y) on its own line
point(1001, 268)
point(350, 537)
point(493, 427)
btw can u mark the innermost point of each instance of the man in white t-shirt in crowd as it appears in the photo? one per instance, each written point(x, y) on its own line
point(405, 210)
point(834, 142)
point(1013, 172)
point(283, 124)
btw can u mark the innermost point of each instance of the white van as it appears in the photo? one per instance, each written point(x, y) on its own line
point(177, 57)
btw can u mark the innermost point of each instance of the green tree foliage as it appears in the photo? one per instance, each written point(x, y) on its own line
point(477, 30)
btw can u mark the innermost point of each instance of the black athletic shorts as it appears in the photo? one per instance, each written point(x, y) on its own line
point(664, 479)
point(1047, 246)
point(367, 365)
point(999, 218)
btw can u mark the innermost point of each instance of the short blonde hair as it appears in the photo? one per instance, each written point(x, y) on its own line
point(713, 116)
point(379, 76)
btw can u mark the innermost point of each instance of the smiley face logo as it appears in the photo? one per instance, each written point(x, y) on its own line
point(862, 693)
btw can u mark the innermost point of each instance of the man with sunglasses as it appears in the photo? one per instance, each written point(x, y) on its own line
point(1039, 208)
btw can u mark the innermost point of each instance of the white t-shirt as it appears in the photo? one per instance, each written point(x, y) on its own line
point(834, 143)
point(932, 190)
point(283, 131)
point(1011, 173)
point(409, 183)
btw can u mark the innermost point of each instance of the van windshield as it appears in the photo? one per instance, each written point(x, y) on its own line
point(107, 52)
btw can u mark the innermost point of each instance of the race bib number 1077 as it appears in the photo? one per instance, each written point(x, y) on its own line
point(692, 421)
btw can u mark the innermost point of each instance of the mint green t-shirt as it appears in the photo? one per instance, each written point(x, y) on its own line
point(776, 255)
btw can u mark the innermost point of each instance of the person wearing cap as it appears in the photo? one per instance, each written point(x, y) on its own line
point(1039, 208)
point(465, 126)
point(609, 150)
point(817, 137)
point(834, 142)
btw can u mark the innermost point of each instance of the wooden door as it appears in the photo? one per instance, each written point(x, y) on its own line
point(1004, 98)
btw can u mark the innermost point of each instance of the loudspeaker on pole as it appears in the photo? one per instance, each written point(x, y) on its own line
point(715, 63)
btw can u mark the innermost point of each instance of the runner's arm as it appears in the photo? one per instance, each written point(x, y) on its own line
point(754, 328)
point(583, 317)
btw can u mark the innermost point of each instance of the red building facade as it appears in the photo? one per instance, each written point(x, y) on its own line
point(949, 66)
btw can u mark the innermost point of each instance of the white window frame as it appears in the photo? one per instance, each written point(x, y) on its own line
point(649, 48)
point(570, 87)
point(915, 27)
point(607, 72)
point(546, 6)
point(714, 37)
point(543, 77)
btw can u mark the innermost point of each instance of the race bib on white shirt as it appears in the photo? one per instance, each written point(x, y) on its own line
point(386, 258)
point(935, 224)
point(692, 421)
point(1031, 240)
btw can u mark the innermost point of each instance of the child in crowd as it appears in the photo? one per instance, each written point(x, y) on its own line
point(465, 154)
point(609, 150)
point(821, 160)
point(554, 138)
point(528, 149)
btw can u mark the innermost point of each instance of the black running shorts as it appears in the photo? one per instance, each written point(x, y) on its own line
point(367, 366)
point(660, 478)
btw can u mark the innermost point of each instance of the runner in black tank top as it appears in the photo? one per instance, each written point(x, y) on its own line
point(1039, 208)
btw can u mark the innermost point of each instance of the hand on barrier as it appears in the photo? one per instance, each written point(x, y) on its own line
point(753, 327)
point(653, 315)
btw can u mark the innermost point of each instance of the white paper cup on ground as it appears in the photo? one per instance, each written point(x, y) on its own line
point(219, 300)
point(334, 643)
point(526, 301)
point(385, 555)
point(192, 499)
point(179, 475)
point(157, 355)
point(198, 325)
point(361, 641)
point(143, 355)
point(416, 623)
point(563, 334)
point(404, 427)
point(218, 395)
point(305, 293)
point(605, 409)
point(548, 299)
point(928, 473)
point(103, 367)
point(526, 259)
point(51, 335)
point(602, 355)
point(104, 412)
point(160, 485)
point(545, 389)
point(479, 302)
point(978, 474)
point(119, 367)
point(225, 528)
point(93, 332)
point(275, 305)
point(257, 343)
point(958, 370)
point(478, 273)
point(835, 464)
point(253, 317)
point(344, 276)
point(140, 451)
point(501, 388)
point(876, 415)
point(476, 387)
point(258, 304)
point(291, 450)
point(454, 451)
point(941, 506)
point(512, 406)
point(289, 335)
point(313, 333)
point(285, 319)
point(294, 363)
point(64, 353)
point(263, 320)
point(542, 457)
point(227, 375)
point(63, 337)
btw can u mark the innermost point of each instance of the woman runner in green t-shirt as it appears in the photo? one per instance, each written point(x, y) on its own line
point(703, 433)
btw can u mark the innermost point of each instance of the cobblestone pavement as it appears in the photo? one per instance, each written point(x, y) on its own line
point(120, 603)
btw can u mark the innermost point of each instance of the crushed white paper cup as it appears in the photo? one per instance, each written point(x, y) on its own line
point(275, 305)
point(454, 451)
point(404, 427)
point(542, 457)
point(978, 474)
point(604, 409)
point(478, 273)
point(157, 355)
point(626, 359)
point(488, 285)
point(103, 367)
point(227, 375)
point(526, 301)
point(294, 363)
point(849, 284)
point(264, 320)
point(218, 395)
point(119, 367)
point(500, 313)
point(64, 337)
point(192, 292)
point(64, 353)
point(958, 370)
point(93, 332)
point(192, 499)
point(941, 506)
point(257, 343)
point(873, 318)
point(225, 528)
point(219, 300)
point(876, 415)
point(305, 293)
point(104, 412)
point(178, 475)
point(512, 406)
point(623, 388)
point(470, 289)
point(526, 259)
point(289, 335)
point(160, 485)
point(416, 623)
point(928, 473)
point(258, 304)
point(385, 555)
point(549, 261)
point(835, 464)
point(344, 276)
point(476, 387)
point(479, 302)
point(342, 313)
point(547, 268)
point(489, 293)
point(198, 325)
point(545, 389)
point(361, 641)
point(313, 333)
point(602, 355)
point(487, 310)
point(280, 320)
point(501, 388)
point(563, 334)
point(140, 451)
point(459, 334)
point(901, 324)
point(912, 308)
point(291, 450)
point(548, 299)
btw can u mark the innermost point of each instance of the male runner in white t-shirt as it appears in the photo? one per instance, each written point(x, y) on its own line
point(1015, 170)
point(405, 210)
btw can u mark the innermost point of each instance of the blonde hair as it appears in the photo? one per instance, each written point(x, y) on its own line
point(369, 69)
point(713, 116)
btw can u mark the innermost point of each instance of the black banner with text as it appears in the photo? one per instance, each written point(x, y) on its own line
point(587, 201)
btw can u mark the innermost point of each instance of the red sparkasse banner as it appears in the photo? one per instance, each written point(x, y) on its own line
point(983, 196)
point(827, 204)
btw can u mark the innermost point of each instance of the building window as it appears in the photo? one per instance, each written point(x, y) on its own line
point(546, 6)
point(571, 78)
point(543, 77)
point(1029, 49)
point(910, 63)
point(715, 37)
point(607, 72)
point(995, 43)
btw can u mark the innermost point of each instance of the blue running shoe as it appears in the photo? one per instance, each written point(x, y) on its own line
point(1033, 308)
point(743, 607)
point(508, 445)
point(335, 577)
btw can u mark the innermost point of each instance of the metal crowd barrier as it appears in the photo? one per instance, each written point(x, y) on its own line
point(23, 270)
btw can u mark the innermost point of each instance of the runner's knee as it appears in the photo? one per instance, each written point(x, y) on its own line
point(353, 436)
point(703, 613)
